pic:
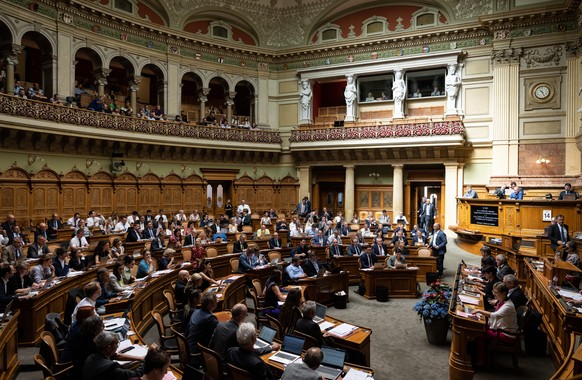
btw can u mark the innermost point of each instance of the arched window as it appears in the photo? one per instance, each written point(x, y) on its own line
point(374, 25)
point(220, 29)
point(425, 17)
point(329, 32)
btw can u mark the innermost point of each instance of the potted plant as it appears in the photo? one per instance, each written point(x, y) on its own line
point(433, 309)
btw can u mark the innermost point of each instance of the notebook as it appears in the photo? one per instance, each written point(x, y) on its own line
point(266, 337)
point(332, 365)
point(290, 350)
point(320, 311)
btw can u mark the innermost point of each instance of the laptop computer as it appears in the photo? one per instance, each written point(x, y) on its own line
point(290, 350)
point(266, 337)
point(332, 365)
point(378, 266)
point(6, 315)
point(320, 311)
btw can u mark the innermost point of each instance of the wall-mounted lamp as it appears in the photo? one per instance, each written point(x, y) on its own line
point(542, 161)
point(374, 175)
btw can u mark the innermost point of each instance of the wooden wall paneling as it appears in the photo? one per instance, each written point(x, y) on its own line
point(265, 194)
point(125, 193)
point(101, 193)
point(44, 199)
point(150, 197)
point(245, 189)
point(288, 194)
point(172, 193)
point(75, 196)
point(15, 188)
point(194, 193)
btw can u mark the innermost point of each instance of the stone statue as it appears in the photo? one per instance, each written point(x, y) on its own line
point(452, 84)
point(350, 94)
point(306, 96)
point(398, 92)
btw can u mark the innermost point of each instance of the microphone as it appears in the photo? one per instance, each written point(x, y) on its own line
point(513, 229)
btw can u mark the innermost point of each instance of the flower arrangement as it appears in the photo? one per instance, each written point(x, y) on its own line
point(435, 302)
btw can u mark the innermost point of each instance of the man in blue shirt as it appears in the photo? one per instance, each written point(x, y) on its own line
point(517, 193)
point(294, 270)
point(247, 261)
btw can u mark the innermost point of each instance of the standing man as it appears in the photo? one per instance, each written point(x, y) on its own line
point(429, 215)
point(558, 233)
point(243, 206)
point(303, 208)
point(439, 246)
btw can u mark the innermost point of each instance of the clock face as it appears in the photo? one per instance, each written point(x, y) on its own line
point(542, 92)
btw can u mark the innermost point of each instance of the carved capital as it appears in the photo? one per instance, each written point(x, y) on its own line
point(134, 82)
point(572, 48)
point(203, 94)
point(11, 52)
point(101, 75)
point(505, 56)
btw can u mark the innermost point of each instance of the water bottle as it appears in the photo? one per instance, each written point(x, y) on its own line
point(555, 281)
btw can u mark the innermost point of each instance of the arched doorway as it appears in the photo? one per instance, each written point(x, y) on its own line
point(190, 97)
point(152, 87)
point(216, 98)
point(36, 62)
point(244, 101)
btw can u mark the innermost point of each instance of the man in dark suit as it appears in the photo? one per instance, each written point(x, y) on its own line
point(567, 191)
point(38, 249)
point(368, 259)
point(42, 230)
point(303, 208)
point(319, 240)
point(247, 261)
point(202, 323)
point(20, 282)
point(558, 233)
point(312, 265)
point(515, 293)
point(53, 225)
point(133, 233)
point(335, 249)
point(354, 249)
point(275, 242)
point(100, 366)
point(9, 223)
point(16, 233)
point(245, 356)
point(439, 246)
point(246, 218)
point(398, 237)
point(149, 232)
point(179, 294)
point(5, 297)
point(325, 213)
point(61, 262)
point(306, 325)
point(224, 336)
point(428, 215)
point(158, 243)
point(301, 250)
point(379, 248)
point(241, 245)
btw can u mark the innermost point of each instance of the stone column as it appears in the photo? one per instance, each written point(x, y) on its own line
point(100, 76)
point(179, 100)
point(162, 90)
point(49, 75)
point(253, 113)
point(350, 192)
point(203, 98)
point(134, 88)
point(398, 189)
point(304, 174)
point(229, 101)
point(573, 158)
point(505, 111)
point(11, 62)
point(451, 187)
point(461, 179)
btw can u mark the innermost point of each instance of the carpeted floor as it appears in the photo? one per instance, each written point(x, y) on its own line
point(399, 347)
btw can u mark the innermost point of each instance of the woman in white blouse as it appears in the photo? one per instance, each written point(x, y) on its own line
point(504, 317)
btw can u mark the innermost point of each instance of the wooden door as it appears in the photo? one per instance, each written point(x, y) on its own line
point(332, 197)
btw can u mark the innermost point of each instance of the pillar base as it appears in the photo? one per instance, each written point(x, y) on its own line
point(349, 118)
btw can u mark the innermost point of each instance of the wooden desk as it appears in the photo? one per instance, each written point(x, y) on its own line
point(9, 362)
point(464, 331)
point(401, 283)
point(350, 265)
point(230, 294)
point(322, 289)
point(424, 265)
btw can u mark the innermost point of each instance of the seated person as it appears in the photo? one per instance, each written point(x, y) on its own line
point(156, 364)
point(145, 266)
point(79, 242)
point(354, 249)
point(294, 270)
point(245, 357)
point(273, 293)
point(101, 366)
point(115, 283)
point(515, 293)
point(470, 193)
point(370, 97)
point(202, 324)
point(318, 240)
point(368, 259)
point(396, 260)
point(241, 245)
point(288, 314)
point(399, 237)
point(61, 262)
point(504, 315)
point(419, 236)
point(179, 289)
point(38, 249)
point(43, 270)
point(103, 280)
point(312, 265)
point(306, 325)
point(491, 279)
point(263, 233)
point(305, 369)
point(487, 260)
point(167, 260)
point(500, 192)
point(5, 274)
point(517, 193)
point(402, 248)
point(247, 261)
point(503, 267)
point(301, 250)
point(567, 191)
point(275, 242)
point(335, 250)
point(20, 283)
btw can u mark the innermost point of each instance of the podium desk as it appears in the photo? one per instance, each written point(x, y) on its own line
point(348, 264)
point(322, 289)
point(9, 362)
point(229, 294)
point(401, 283)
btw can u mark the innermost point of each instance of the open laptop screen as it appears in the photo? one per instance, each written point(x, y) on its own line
point(292, 344)
point(267, 334)
point(320, 310)
point(333, 357)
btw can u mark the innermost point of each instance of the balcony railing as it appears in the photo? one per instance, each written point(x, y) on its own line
point(406, 130)
point(76, 116)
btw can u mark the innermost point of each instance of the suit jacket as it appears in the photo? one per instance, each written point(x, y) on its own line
point(240, 247)
point(333, 251)
point(319, 241)
point(554, 235)
point(9, 255)
point(299, 250)
point(33, 251)
point(132, 236)
point(60, 270)
point(11, 237)
point(246, 220)
point(327, 215)
point(99, 367)
point(5, 298)
point(518, 297)
point(179, 292)
point(504, 270)
point(274, 243)
point(157, 245)
point(16, 283)
point(306, 210)
point(149, 233)
point(308, 327)
point(300, 371)
point(200, 328)
point(397, 238)
point(352, 251)
point(376, 250)
point(440, 239)
point(39, 232)
point(310, 267)
point(224, 337)
point(244, 263)
point(367, 263)
point(428, 212)
point(249, 361)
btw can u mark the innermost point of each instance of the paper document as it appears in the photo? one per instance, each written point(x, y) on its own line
point(325, 325)
point(354, 374)
point(134, 350)
point(74, 273)
point(113, 323)
point(469, 300)
point(568, 294)
point(343, 329)
point(161, 272)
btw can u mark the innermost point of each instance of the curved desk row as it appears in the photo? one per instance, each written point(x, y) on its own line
point(9, 362)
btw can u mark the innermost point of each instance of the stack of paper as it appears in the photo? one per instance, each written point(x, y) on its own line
point(343, 329)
